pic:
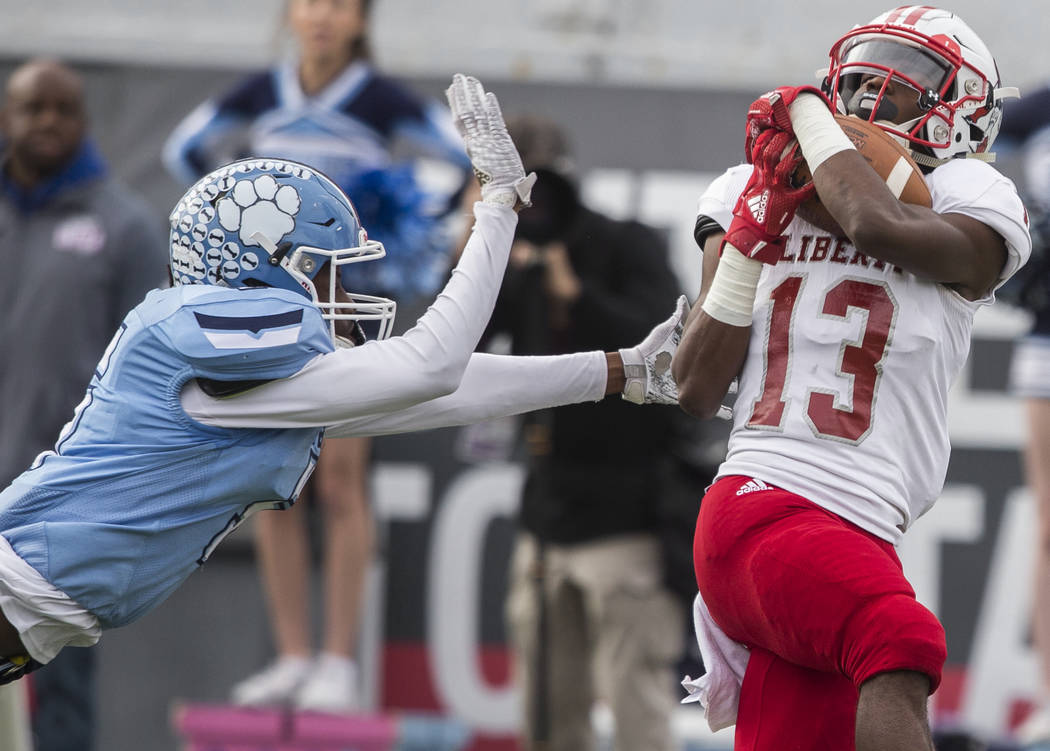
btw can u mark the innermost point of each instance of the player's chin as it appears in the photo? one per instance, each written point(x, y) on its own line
point(350, 333)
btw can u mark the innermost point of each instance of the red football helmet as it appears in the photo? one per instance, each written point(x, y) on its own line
point(935, 54)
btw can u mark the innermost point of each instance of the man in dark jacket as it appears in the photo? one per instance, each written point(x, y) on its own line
point(606, 629)
point(78, 251)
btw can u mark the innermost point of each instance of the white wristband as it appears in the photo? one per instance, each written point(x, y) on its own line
point(731, 296)
point(819, 136)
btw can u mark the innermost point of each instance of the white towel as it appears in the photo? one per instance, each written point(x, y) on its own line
point(718, 690)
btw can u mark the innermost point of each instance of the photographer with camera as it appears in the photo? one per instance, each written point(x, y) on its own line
point(590, 617)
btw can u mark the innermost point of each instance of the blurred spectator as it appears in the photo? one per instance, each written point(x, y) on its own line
point(78, 250)
point(1027, 123)
point(328, 107)
point(606, 627)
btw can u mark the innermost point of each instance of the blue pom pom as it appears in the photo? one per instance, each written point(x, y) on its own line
point(393, 209)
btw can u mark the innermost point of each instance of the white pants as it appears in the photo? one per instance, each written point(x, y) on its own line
point(46, 619)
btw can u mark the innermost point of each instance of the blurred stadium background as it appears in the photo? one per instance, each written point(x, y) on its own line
point(653, 96)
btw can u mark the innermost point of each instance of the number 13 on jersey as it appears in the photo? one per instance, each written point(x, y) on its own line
point(835, 415)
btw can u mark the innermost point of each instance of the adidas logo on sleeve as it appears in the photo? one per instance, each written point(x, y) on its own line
point(752, 486)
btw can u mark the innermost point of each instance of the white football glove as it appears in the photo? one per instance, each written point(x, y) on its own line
point(647, 367)
point(492, 152)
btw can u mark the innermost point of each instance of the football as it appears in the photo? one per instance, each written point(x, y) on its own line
point(885, 155)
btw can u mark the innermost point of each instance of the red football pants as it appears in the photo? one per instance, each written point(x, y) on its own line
point(822, 604)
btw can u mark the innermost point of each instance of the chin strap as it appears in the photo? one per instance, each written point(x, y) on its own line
point(925, 160)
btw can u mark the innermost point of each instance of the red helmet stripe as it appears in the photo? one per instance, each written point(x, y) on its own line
point(897, 13)
point(915, 15)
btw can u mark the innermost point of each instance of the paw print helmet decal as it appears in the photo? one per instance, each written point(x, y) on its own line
point(276, 223)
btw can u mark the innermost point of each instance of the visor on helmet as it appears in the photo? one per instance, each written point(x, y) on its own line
point(916, 68)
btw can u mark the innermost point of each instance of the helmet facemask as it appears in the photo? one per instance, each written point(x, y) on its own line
point(870, 67)
point(946, 102)
point(308, 265)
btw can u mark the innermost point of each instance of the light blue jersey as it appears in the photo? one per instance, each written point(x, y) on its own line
point(136, 494)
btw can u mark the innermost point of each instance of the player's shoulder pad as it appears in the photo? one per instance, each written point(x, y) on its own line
point(978, 190)
point(728, 186)
point(971, 182)
point(721, 195)
point(735, 178)
point(234, 334)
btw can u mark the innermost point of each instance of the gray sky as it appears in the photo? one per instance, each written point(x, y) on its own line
point(679, 43)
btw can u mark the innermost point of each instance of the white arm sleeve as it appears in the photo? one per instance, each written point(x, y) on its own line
point(425, 362)
point(492, 386)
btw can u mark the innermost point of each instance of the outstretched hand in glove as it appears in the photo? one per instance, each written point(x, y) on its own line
point(492, 153)
point(647, 366)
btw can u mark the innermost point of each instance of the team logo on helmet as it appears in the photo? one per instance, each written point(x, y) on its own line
point(259, 206)
point(246, 206)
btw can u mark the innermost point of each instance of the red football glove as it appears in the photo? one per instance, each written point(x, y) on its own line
point(771, 111)
point(768, 203)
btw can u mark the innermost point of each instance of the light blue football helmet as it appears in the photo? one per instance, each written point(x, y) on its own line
point(276, 223)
